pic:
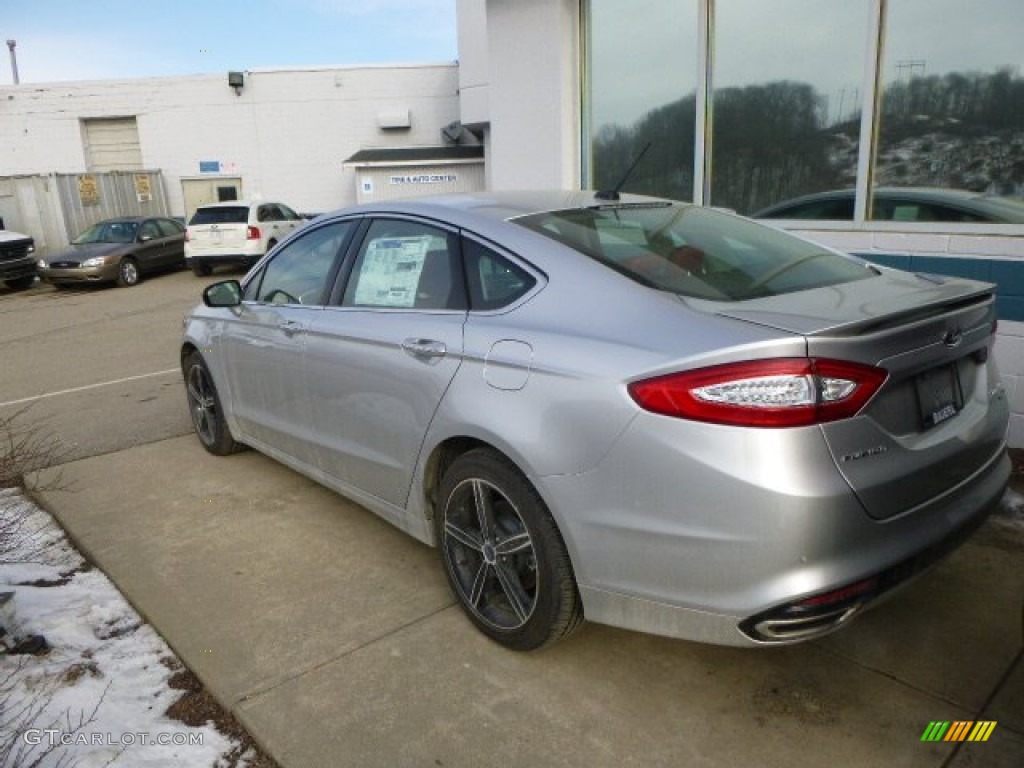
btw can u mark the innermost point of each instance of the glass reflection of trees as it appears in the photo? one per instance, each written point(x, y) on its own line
point(950, 116)
point(770, 143)
point(666, 169)
point(962, 130)
point(773, 141)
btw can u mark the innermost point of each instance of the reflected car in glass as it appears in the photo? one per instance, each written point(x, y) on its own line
point(905, 204)
point(118, 251)
point(645, 413)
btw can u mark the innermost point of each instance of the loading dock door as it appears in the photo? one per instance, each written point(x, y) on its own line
point(218, 189)
point(112, 144)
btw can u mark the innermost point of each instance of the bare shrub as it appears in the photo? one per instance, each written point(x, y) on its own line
point(25, 447)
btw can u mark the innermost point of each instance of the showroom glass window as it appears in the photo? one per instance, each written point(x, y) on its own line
point(786, 100)
point(641, 74)
point(952, 107)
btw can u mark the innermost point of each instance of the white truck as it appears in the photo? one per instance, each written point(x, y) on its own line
point(17, 259)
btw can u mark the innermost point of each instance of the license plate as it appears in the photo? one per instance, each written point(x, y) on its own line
point(939, 396)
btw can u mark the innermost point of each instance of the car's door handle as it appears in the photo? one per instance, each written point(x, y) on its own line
point(289, 327)
point(426, 349)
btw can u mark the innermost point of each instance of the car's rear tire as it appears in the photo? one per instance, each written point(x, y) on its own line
point(205, 408)
point(199, 269)
point(20, 283)
point(127, 273)
point(503, 554)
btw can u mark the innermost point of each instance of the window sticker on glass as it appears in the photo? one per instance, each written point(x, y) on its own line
point(612, 232)
point(391, 271)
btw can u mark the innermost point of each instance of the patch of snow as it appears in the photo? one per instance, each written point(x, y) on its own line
point(102, 687)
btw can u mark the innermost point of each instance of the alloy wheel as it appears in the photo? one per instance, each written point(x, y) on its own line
point(491, 555)
point(202, 404)
point(129, 272)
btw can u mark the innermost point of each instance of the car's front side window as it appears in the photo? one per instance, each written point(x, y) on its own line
point(406, 265)
point(299, 272)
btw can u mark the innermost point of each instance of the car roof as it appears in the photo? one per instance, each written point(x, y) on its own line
point(498, 206)
point(239, 204)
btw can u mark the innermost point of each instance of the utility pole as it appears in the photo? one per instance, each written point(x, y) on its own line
point(14, 60)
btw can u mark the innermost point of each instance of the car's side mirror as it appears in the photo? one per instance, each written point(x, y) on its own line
point(227, 293)
point(145, 238)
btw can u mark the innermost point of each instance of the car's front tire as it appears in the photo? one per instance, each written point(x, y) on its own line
point(503, 554)
point(204, 406)
point(127, 273)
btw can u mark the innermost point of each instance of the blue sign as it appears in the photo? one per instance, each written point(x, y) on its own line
point(209, 166)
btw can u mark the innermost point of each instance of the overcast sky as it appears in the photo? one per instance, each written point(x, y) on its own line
point(112, 39)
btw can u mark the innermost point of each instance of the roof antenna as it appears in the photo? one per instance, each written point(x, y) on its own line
point(613, 194)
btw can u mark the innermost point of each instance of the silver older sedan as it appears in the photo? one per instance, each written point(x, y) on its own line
point(649, 414)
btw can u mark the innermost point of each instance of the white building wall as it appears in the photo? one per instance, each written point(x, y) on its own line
point(474, 75)
point(1010, 358)
point(286, 134)
point(534, 94)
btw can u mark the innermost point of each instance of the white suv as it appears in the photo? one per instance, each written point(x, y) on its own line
point(237, 232)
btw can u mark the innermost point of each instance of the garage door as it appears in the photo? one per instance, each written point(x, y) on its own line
point(112, 144)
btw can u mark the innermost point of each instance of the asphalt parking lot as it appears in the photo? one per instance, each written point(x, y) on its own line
point(333, 638)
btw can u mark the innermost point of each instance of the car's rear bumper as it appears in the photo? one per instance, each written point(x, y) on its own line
point(690, 532)
point(214, 259)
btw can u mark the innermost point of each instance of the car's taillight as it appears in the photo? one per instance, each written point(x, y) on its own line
point(783, 392)
point(253, 233)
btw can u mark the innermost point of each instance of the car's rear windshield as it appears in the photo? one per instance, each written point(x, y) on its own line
point(230, 214)
point(695, 251)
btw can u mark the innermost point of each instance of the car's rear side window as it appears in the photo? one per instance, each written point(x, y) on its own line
point(696, 251)
point(149, 229)
point(494, 281)
point(837, 209)
point(221, 215)
point(169, 227)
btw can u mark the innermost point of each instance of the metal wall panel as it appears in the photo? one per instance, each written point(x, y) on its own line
point(86, 198)
point(29, 205)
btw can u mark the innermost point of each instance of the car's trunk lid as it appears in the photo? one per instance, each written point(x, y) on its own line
point(939, 418)
point(852, 308)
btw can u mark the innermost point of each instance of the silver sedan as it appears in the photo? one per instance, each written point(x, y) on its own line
point(649, 414)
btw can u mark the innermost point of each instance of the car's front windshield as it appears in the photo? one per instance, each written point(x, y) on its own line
point(108, 232)
point(695, 251)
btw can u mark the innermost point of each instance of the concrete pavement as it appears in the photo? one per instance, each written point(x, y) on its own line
point(334, 640)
